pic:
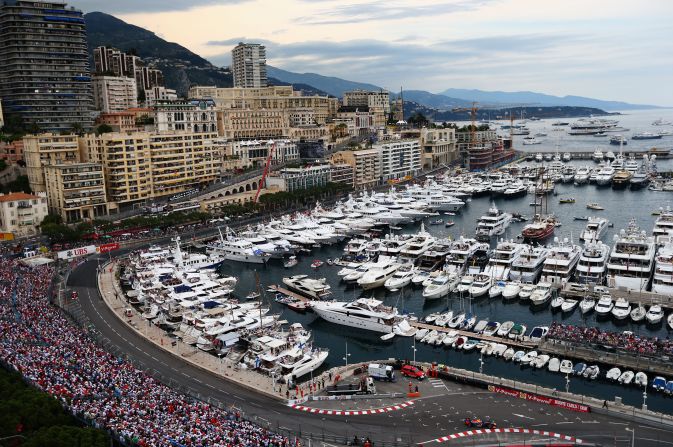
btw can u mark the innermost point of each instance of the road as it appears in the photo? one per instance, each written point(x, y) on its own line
point(438, 413)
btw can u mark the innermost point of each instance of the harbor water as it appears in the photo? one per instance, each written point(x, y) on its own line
point(354, 346)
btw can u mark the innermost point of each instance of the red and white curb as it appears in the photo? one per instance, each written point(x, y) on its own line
point(484, 431)
point(353, 412)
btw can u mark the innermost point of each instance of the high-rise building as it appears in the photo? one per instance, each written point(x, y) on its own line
point(114, 93)
point(248, 63)
point(44, 150)
point(44, 65)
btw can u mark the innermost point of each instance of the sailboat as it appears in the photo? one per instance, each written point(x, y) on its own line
point(543, 225)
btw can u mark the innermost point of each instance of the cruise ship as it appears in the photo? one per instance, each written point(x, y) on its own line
point(560, 264)
point(662, 281)
point(365, 313)
point(595, 229)
point(527, 267)
point(500, 264)
point(492, 223)
point(632, 259)
point(591, 268)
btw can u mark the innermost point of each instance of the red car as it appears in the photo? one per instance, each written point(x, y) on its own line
point(412, 371)
point(479, 423)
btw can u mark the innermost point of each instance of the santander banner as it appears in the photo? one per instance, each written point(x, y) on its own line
point(572, 406)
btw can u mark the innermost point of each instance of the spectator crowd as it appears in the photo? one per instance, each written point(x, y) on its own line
point(40, 342)
point(627, 341)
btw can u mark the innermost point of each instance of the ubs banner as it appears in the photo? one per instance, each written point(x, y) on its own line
point(77, 252)
point(541, 399)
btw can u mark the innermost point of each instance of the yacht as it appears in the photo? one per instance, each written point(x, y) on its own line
point(664, 223)
point(460, 253)
point(530, 141)
point(540, 229)
point(312, 288)
point(493, 223)
point(604, 305)
point(377, 276)
point(440, 286)
point(639, 180)
point(527, 267)
point(417, 245)
point(662, 282)
point(538, 157)
point(444, 203)
point(646, 136)
point(300, 361)
point(591, 268)
point(632, 259)
point(401, 278)
point(595, 229)
point(561, 262)
point(567, 157)
point(605, 175)
point(597, 156)
point(500, 264)
point(241, 250)
point(618, 140)
point(582, 175)
point(621, 179)
point(621, 309)
point(631, 165)
point(480, 285)
point(516, 189)
point(541, 294)
point(365, 313)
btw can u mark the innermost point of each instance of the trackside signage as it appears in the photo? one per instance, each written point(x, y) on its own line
point(540, 399)
point(77, 252)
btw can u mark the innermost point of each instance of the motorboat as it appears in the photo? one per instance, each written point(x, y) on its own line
point(557, 302)
point(659, 383)
point(569, 305)
point(421, 333)
point(596, 227)
point(566, 367)
point(517, 331)
point(496, 289)
point(470, 344)
point(641, 379)
point(526, 291)
point(538, 333)
point(638, 314)
point(511, 290)
point(491, 328)
point(604, 305)
point(621, 309)
point(579, 369)
point(541, 294)
point(444, 318)
point(401, 278)
point(591, 372)
point(587, 304)
point(528, 357)
point(439, 287)
point(317, 289)
point(469, 322)
point(504, 329)
point(480, 326)
point(464, 284)
point(518, 355)
point(654, 314)
point(554, 365)
point(377, 276)
point(613, 374)
point(626, 378)
point(646, 136)
point(480, 285)
point(508, 354)
point(457, 320)
point(540, 361)
point(597, 156)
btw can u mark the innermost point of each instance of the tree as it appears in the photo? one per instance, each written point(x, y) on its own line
point(77, 129)
point(103, 128)
point(418, 120)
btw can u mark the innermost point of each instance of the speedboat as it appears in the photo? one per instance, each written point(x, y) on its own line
point(641, 379)
point(621, 309)
point(526, 291)
point(604, 305)
point(654, 314)
point(638, 314)
point(541, 294)
point(538, 333)
point(491, 328)
point(439, 286)
point(401, 278)
point(480, 326)
point(569, 305)
point(443, 319)
point(613, 374)
point(505, 328)
point(496, 289)
point(554, 365)
point(540, 361)
point(480, 285)
point(626, 378)
point(508, 354)
point(457, 320)
point(659, 384)
point(528, 357)
point(579, 369)
point(557, 302)
point(591, 372)
point(511, 290)
point(518, 355)
point(517, 331)
point(465, 284)
point(566, 367)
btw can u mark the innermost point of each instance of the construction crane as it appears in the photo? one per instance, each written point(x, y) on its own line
point(473, 117)
point(262, 181)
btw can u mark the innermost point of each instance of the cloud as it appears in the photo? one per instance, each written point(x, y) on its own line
point(143, 6)
point(387, 10)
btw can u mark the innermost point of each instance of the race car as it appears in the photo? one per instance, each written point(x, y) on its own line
point(480, 423)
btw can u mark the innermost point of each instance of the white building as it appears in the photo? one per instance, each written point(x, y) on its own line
point(191, 115)
point(399, 159)
point(255, 152)
point(113, 94)
point(21, 213)
point(305, 177)
point(248, 64)
point(155, 95)
point(438, 146)
point(364, 98)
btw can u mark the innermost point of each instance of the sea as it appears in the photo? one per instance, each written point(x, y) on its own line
point(356, 346)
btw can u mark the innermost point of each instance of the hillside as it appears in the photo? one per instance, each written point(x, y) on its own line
point(332, 85)
point(533, 98)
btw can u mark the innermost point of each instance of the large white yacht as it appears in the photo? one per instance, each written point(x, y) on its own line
point(417, 245)
point(500, 264)
point(365, 313)
point(632, 259)
point(664, 223)
point(492, 223)
point(595, 229)
point(561, 262)
point(591, 268)
point(309, 287)
point(582, 174)
point(662, 282)
point(527, 267)
point(460, 253)
point(604, 176)
point(377, 276)
point(195, 261)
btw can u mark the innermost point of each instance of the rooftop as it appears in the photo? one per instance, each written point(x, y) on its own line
point(15, 196)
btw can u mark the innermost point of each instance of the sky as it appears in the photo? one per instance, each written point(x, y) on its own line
point(607, 49)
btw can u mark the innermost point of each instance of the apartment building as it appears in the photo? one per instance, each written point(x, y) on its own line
point(399, 159)
point(47, 150)
point(11, 152)
point(371, 99)
point(76, 191)
point(342, 173)
point(365, 163)
point(145, 165)
point(248, 64)
point(113, 62)
point(131, 120)
point(438, 147)
point(236, 124)
point(44, 69)
point(21, 213)
point(113, 94)
point(359, 121)
point(192, 115)
point(158, 94)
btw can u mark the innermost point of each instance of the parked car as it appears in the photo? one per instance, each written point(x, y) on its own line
point(412, 371)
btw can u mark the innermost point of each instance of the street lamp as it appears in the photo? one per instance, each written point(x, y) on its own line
point(633, 435)
point(345, 358)
point(481, 363)
point(567, 382)
point(645, 396)
point(413, 347)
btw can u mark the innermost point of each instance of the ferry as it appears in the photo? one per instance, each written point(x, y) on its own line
point(632, 259)
point(494, 223)
point(591, 268)
point(646, 136)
